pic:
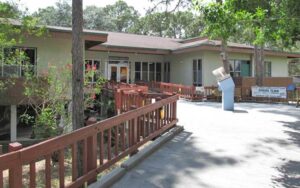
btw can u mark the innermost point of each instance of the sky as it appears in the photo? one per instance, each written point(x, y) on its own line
point(34, 5)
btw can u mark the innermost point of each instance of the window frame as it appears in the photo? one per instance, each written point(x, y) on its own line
point(267, 68)
point(21, 65)
point(93, 79)
point(145, 75)
point(196, 70)
point(167, 70)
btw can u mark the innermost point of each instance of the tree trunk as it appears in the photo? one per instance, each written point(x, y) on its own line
point(224, 56)
point(77, 74)
point(259, 64)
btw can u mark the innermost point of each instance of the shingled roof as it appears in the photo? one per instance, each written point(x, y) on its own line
point(126, 40)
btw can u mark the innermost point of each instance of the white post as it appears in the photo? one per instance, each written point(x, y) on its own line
point(13, 123)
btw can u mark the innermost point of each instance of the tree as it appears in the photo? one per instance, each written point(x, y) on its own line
point(96, 18)
point(169, 5)
point(220, 23)
point(184, 24)
point(154, 24)
point(264, 24)
point(122, 16)
point(11, 34)
point(77, 74)
point(181, 24)
point(58, 15)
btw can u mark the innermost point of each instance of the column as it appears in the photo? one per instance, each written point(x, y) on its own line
point(13, 123)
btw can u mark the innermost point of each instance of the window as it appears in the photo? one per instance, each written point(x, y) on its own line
point(268, 68)
point(145, 71)
point(235, 68)
point(152, 71)
point(17, 61)
point(167, 72)
point(137, 71)
point(240, 68)
point(148, 71)
point(197, 72)
point(158, 71)
point(93, 65)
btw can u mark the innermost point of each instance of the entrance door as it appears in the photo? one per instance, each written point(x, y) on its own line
point(245, 69)
point(118, 73)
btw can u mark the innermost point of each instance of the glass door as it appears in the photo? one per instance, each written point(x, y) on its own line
point(118, 73)
point(113, 73)
point(124, 74)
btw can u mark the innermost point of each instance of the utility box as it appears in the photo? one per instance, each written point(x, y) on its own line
point(227, 86)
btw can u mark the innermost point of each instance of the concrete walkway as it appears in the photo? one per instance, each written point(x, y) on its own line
point(256, 146)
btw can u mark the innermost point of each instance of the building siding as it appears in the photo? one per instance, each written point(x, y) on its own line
point(57, 51)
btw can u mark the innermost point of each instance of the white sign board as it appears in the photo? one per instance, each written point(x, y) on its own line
point(270, 92)
point(200, 89)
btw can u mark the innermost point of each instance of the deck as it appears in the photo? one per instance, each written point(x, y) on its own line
point(258, 145)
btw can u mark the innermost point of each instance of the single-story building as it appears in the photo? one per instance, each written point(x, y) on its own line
point(130, 57)
point(124, 57)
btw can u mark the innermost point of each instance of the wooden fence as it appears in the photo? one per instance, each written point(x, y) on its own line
point(103, 144)
point(187, 92)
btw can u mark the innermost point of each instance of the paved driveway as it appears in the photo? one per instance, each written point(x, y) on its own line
point(256, 146)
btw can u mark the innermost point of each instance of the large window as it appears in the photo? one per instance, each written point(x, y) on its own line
point(94, 66)
point(138, 72)
point(240, 68)
point(147, 71)
point(197, 72)
point(158, 72)
point(167, 72)
point(16, 61)
point(268, 68)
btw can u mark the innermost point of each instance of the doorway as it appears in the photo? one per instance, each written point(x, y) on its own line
point(118, 73)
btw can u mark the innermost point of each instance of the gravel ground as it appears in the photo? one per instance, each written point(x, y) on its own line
point(257, 145)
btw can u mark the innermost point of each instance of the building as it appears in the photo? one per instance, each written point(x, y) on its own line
point(130, 58)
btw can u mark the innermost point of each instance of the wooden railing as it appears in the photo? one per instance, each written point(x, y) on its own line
point(187, 92)
point(103, 144)
point(124, 86)
point(212, 93)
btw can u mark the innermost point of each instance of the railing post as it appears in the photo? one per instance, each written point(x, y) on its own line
point(1, 149)
point(15, 173)
point(91, 151)
point(118, 101)
point(134, 130)
point(174, 110)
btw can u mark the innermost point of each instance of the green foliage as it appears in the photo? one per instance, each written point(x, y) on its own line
point(58, 15)
point(274, 24)
point(181, 24)
point(219, 20)
point(13, 32)
point(122, 16)
point(46, 125)
point(95, 18)
point(49, 96)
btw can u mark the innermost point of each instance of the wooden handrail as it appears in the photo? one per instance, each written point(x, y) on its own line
point(119, 136)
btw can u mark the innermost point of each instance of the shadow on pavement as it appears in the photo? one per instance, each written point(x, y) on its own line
point(290, 170)
point(178, 158)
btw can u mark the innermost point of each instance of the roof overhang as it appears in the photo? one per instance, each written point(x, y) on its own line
point(90, 39)
point(123, 49)
point(234, 50)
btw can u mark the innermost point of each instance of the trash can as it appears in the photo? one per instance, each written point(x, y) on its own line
point(227, 86)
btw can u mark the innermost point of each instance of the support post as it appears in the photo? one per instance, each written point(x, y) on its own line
point(15, 173)
point(91, 150)
point(13, 123)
